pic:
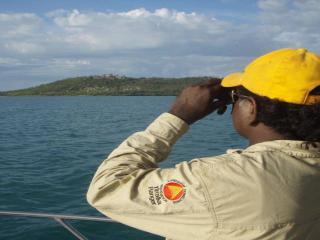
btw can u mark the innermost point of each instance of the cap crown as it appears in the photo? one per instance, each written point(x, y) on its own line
point(286, 74)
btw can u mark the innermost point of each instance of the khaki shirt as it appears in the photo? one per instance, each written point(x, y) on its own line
point(270, 190)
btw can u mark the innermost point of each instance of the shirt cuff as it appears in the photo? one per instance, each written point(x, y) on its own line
point(168, 126)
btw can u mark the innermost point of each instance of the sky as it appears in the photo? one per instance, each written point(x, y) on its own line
point(43, 41)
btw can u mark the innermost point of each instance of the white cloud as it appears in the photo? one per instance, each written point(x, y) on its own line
point(164, 42)
point(273, 5)
point(74, 19)
point(307, 4)
point(70, 63)
point(297, 26)
point(136, 13)
point(136, 29)
point(24, 47)
point(19, 24)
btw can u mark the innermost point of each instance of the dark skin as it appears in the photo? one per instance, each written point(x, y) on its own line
point(199, 100)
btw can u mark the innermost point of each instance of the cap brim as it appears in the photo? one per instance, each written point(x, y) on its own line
point(232, 80)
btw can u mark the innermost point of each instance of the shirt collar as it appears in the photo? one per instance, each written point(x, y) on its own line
point(292, 146)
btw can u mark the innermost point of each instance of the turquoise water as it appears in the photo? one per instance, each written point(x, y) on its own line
point(50, 148)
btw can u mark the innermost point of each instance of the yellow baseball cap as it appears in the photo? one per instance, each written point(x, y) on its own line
point(288, 75)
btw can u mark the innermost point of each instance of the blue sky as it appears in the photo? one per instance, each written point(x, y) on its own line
point(43, 41)
point(206, 6)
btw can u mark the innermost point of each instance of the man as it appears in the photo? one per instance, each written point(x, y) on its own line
point(269, 190)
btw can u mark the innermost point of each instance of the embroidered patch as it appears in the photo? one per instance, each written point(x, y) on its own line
point(174, 191)
point(155, 195)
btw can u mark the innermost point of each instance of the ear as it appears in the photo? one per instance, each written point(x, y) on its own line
point(249, 108)
point(253, 112)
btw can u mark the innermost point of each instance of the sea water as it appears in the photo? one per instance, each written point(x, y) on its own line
point(50, 148)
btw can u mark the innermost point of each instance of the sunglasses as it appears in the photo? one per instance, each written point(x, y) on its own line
point(235, 96)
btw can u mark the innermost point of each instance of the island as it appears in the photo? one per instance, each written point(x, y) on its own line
point(110, 85)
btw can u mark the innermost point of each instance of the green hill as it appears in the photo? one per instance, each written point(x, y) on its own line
point(107, 85)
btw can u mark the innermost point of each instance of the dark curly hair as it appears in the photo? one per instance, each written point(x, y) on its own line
point(293, 121)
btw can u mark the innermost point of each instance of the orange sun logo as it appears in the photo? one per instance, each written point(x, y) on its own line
point(173, 190)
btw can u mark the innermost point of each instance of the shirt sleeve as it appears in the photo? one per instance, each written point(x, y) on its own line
point(129, 187)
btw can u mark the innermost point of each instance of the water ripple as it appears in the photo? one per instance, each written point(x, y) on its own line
point(50, 148)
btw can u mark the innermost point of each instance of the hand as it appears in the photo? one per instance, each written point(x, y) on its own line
point(197, 101)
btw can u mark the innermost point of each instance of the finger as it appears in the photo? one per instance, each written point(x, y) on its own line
point(210, 82)
point(216, 105)
point(215, 90)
